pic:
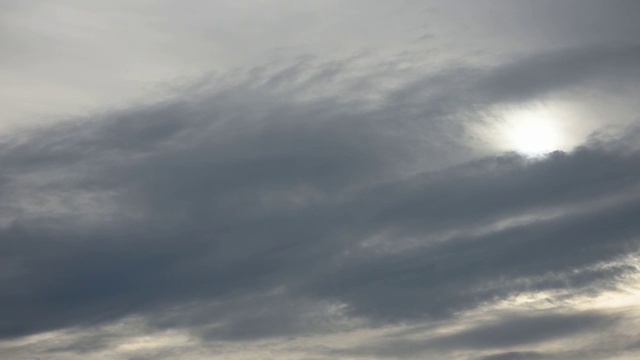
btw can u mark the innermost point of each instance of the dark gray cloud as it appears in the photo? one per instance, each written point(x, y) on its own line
point(515, 334)
point(508, 332)
point(245, 212)
point(514, 356)
point(558, 70)
point(520, 331)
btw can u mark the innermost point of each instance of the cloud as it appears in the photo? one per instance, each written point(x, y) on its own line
point(558, 70)
point(252, 211)
point(514, 356)
point(519, 331)
point(512, 332)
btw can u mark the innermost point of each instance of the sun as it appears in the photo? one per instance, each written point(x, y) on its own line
point(532, 132)
point(533, 136)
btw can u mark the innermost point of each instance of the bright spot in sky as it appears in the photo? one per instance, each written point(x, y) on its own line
point(533, 136)
point(531, 131)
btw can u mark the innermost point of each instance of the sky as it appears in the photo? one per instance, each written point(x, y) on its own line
point(319, 179)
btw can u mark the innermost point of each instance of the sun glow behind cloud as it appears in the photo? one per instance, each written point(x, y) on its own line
point(532, 131)
point(532, 136)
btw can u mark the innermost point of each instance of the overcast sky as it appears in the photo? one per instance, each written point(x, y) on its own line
point(319, 179)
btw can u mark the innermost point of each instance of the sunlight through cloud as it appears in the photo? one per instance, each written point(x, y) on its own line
point(532, 131)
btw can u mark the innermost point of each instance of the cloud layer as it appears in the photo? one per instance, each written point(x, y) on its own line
point(329, 209)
